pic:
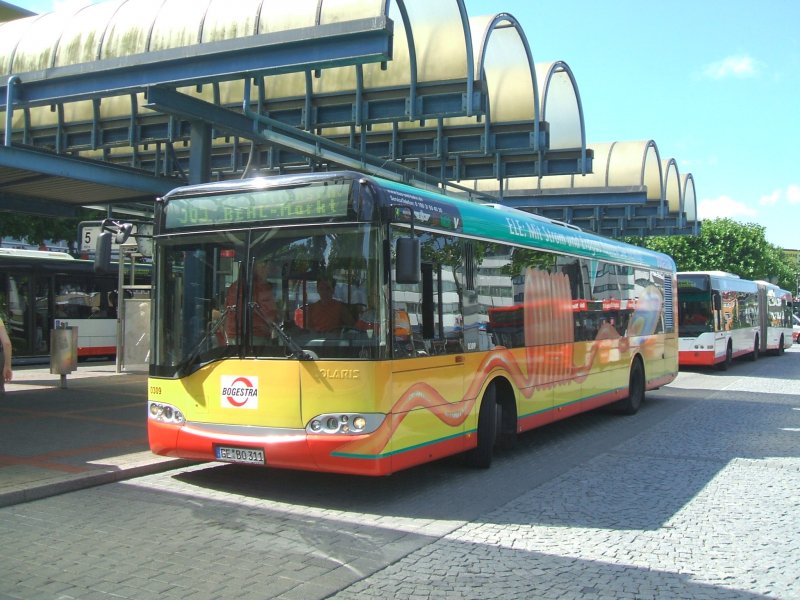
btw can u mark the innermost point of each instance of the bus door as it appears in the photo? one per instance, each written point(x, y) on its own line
point(763, 322)
point(429, 410)
point(28, 313)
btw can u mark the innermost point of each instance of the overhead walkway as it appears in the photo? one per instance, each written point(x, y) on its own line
point(116, 103)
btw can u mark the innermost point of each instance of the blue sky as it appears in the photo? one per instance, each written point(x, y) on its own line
point(714, 83)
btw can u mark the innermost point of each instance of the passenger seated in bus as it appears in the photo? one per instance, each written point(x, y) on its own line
point(265, 310)
point(328, 313)
point(109, 311)
point(698, 317)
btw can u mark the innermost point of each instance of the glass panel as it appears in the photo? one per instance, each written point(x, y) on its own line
point(499, 296)
point(292, 293)
point(429, 315)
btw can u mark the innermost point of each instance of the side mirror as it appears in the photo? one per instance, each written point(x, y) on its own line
point(102, 254)
point(124, 233)
point(717, 300)
point(407, 269)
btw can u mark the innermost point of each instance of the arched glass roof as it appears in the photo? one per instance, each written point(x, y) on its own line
point(457, 96)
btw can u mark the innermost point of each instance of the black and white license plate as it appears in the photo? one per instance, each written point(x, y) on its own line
point(248, 456)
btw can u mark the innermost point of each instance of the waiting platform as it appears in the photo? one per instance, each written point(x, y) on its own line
point(91, 432)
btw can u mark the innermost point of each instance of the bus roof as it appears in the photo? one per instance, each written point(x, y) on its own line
point(42, 254)
point(496, 222)
point(721, 280)
point(487, 222)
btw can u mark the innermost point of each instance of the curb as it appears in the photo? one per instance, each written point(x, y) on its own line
point(55, 488)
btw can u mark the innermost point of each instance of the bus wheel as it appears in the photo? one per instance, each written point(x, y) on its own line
point(636, 387)
point(723, 366)
point(754, 355)
point(481, 455)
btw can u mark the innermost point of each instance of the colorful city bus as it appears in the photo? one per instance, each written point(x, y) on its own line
point(40, 290)
point(776, 317)
point(414, 371)
point(719, 318)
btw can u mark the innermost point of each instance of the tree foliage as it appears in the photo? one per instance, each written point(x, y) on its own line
point(36, 229)
point(727, 245)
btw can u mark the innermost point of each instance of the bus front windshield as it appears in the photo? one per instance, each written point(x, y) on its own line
point(696, 314)
point(283, 293)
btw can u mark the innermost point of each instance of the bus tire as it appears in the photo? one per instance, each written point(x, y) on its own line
point(754, 355)
point(636, 388)
point(723, 366)
point(481, 456)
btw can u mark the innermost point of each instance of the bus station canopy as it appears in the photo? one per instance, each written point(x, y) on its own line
point(116, 103)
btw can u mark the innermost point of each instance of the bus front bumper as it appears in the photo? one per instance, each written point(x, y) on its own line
point(698, 358)
point(286, 449)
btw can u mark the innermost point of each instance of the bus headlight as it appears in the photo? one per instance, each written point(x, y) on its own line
point(345, 423)
point(164, 413)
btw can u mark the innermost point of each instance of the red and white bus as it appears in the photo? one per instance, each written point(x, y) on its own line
point(463, 328)
point(723, 316)
point(40, 290)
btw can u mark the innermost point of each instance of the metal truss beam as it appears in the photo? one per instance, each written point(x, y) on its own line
point(20, 204)
point(262, 129)
point(619, 220)
point(336, 44)
point(437, 153)
point(610, 197)
point(612, 212)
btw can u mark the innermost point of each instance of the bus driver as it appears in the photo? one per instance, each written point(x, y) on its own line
point(328, 313)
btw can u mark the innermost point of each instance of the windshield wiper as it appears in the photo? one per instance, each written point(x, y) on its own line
point(297, 351)
point(183, 366)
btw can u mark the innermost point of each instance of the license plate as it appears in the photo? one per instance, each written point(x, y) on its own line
point(249, 456)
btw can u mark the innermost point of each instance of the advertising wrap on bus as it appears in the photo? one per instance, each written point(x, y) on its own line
point(344, 323)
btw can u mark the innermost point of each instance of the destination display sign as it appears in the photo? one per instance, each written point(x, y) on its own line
point(307, 202)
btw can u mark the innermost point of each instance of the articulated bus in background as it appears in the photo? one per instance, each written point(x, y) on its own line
point(459, 325)
point(723, 317)
point(776, 317)
point(40, 290)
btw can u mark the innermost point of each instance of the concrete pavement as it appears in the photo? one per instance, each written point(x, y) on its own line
point(55, 440)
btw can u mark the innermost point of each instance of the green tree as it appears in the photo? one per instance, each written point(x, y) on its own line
point(726, 245)
point(37, 229)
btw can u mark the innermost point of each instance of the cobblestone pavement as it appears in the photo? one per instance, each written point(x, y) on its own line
point(694, 497)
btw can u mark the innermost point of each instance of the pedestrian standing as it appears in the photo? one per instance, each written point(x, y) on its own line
point(5, 357)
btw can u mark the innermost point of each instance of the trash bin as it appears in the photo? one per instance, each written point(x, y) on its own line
point(63, 352)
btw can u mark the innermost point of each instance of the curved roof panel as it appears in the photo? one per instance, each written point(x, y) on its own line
point(127, 27)
point(673, 190)
point(504, 61)
point(35, 46)
point(689, 197)
point(441, 38)
point(561, 105)
point(635, 163)
point(81, 40)
point(227, 20)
